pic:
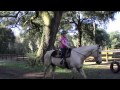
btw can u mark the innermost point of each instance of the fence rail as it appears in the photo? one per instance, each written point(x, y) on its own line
point(108, 55)
point(111, 54)
point(13, 57)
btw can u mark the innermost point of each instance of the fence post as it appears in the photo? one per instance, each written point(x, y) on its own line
point(107, 55)
point(6, 56)
point(23, 56)
point(11, 56)
point(2, 56)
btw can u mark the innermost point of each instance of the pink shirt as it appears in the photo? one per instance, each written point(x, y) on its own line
point(64, 42)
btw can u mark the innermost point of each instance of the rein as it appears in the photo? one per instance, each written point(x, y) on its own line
point(88, 54)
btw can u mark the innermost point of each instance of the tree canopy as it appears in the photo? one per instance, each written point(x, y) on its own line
point(7, 39)
point(41, 28)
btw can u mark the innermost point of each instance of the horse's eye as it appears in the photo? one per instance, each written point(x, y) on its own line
point(99, 52)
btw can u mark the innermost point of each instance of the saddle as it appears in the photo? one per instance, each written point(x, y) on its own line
point(57, 53)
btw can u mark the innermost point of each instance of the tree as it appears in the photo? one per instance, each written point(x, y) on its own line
point(88, 36)
point(7, 40)
point(44, 25)
point(79, 18)
point(50, 29)
point(115, 39)
point(102, 37)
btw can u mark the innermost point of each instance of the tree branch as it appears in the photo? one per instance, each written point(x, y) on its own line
point(83, 19)
point(15, 16)
point(36, 14)
point(74, 21)
point(20, 18)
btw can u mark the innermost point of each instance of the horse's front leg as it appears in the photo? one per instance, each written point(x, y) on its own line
point(80, 70)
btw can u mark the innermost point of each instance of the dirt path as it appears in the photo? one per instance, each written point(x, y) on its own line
point(12, 73)
point(102, 72)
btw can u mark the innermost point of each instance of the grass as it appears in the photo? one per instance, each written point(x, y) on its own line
point(24, 66)
point(92, 70)
point(20, 65)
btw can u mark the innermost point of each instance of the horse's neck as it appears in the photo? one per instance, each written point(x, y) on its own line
point(86, 51)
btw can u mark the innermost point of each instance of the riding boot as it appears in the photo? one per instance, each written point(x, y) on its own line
point(62, 61)
point(66, 64)
point(65, 61)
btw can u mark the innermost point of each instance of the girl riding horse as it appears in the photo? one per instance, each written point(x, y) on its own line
point(63, 46)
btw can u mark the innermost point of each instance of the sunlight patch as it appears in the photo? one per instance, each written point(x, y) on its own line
point(30, 75)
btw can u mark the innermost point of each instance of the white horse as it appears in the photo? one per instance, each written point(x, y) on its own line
point(75, 61)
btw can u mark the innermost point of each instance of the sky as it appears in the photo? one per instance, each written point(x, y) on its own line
point(111, 26)
point(16, 31)
point(114, 25)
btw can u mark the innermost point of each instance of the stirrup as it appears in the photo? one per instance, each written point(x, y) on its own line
point(62, 62)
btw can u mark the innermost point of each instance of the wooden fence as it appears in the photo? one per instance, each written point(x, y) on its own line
point(109, 55)
point(13, 57)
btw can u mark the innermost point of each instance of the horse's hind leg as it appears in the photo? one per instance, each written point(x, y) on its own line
point(80, 70)
point(53, 71)
point(45, 70)
point(73, 72)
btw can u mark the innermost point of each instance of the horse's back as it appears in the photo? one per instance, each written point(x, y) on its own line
point(58, 53)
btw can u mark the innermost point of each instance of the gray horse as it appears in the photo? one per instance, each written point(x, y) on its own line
point(75, 61)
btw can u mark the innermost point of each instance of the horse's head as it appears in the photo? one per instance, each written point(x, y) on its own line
point(97, 54)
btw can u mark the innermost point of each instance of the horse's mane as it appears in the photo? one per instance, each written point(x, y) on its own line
point(85, 48)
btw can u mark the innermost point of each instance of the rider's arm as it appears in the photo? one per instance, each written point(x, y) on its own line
point(64, 43)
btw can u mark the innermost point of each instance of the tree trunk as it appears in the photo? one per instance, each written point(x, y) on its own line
point(44, 40)
point(79, 27)
point(79, 34)
point(79, 38)
point(55, 22)
point(94, 31)
point(49, 32)
point(40, 48)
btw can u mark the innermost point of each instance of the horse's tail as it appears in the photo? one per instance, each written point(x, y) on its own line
point(47, 57)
